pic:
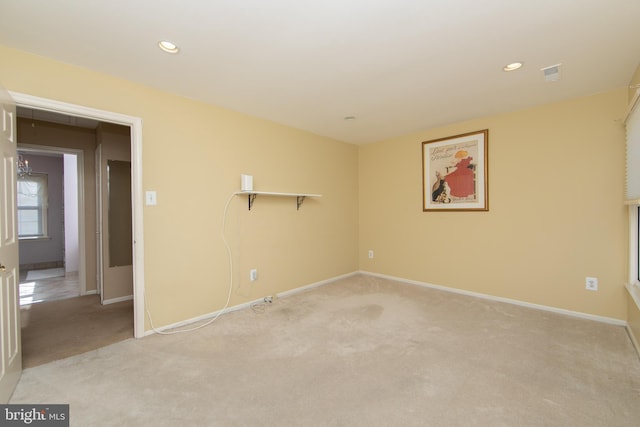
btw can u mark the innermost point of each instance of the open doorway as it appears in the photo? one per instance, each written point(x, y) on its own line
point(135, 125)
point(72, 256)
point(48, 224)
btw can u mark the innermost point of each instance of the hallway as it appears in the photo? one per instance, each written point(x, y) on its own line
point(57, 322)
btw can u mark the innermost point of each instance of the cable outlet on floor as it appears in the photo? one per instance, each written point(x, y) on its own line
point(253, 275)
point(591, 283)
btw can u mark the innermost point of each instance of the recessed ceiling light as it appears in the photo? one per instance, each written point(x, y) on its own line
point(513, 66)
point(168, 47)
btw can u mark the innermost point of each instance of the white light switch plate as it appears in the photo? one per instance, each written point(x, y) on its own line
point(150, 197)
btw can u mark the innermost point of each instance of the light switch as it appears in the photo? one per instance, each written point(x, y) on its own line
point(151, 198)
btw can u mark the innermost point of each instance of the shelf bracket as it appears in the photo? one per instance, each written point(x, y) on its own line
point(251, 198)
point(299, 200)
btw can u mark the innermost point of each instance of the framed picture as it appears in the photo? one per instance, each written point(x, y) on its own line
point(455, 173)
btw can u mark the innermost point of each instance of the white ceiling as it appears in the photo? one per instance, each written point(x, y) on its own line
point(398, 66)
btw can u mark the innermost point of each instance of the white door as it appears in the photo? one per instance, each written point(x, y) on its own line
point(11, 354)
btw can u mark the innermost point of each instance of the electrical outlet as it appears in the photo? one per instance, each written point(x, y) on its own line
point(370, 253)
point(591, 283)
point(253, 275)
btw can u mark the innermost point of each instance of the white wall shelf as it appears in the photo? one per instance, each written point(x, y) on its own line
point(251, 196)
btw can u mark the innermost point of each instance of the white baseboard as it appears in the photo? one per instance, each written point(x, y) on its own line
point(602, 319)
point(315, 285)
point(94, 292)
point(119, 299)
point(244, 305)
point(201, 318)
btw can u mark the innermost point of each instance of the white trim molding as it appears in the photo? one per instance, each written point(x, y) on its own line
point(135, 123)
point(315, 285)
point(301, 289)
point(633, 243)
point(188, 322)
point(82, 264)
point(115, 300)
point(246, 304)
point(634, 294)
point(602, 319)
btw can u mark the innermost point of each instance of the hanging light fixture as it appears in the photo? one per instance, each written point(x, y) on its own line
point(23, 167)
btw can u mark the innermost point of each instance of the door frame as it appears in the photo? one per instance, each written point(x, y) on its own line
point(36, 149)
point(135, 124)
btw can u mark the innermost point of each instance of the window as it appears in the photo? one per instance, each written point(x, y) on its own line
point(32, 206)
point(636, 246)
point(632, 124)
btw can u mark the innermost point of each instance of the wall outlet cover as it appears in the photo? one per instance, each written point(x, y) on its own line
point(591, 283)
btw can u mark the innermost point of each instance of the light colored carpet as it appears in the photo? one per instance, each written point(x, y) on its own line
point(45, 274)
point(361, 351)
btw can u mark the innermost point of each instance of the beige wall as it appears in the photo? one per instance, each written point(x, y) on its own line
point(556, 180)
point(193, 155)
point(34, 132)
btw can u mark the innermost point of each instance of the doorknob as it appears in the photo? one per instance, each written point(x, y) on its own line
point(2, 268)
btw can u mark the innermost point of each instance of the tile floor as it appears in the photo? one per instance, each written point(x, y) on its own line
point(51, 289)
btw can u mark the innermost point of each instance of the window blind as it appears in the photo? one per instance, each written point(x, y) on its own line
point(633, 150)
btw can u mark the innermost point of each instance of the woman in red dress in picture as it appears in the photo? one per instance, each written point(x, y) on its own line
point(461, 180)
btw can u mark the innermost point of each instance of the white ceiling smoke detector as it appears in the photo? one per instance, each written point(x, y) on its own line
point(551, 73)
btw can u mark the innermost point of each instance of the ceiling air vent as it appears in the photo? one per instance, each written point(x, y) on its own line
point(551, 73)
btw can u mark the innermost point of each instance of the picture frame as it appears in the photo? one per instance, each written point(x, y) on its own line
point(455, 173)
